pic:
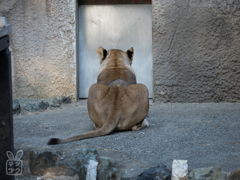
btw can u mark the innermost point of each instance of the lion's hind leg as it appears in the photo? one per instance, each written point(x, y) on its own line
point(96, 127)
point(142, 125)
point(96, 104)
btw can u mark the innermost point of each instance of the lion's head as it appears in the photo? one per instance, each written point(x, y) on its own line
point(115, 64)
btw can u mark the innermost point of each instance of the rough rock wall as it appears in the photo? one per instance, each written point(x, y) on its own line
point(43, 43)
point(196, 50)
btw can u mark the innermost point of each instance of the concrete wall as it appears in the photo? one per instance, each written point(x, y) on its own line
point(196, 50)
point(43, 43)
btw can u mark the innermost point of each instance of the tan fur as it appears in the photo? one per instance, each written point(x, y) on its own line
point(115, 102)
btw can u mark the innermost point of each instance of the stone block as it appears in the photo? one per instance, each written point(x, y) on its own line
point(132, 174)
point(66, 100)
point(106, 169)
point(32, 108)
point(235, 175)
point(179, 169)
point(53, 101)
point(42, 163)
point(159, 172)
point(83, 161)
point(209, 173)
point(43, 105)
point(16, 106)
point(92, 170)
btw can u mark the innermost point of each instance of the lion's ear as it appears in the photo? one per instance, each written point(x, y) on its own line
point(102, 53)
point(130, 54)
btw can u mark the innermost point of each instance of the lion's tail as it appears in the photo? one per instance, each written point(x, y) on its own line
point(107, 128)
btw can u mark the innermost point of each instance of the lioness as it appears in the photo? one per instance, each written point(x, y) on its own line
point(115, 102)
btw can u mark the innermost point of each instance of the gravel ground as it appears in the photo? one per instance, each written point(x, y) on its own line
point(204, 134)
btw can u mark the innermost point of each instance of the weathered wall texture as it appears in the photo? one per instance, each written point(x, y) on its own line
point(43, 43)
point(196, 50)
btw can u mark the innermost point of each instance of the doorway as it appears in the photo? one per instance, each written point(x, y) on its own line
point(115, 27)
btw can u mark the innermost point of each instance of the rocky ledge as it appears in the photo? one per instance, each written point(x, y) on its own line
point(38, 105)
point(44, 165)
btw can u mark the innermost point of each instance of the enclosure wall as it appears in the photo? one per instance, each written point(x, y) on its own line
point(43, 45)
point(196, 56)
point(196, 50)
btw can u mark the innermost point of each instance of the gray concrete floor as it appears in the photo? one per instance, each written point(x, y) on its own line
point(204, 134)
